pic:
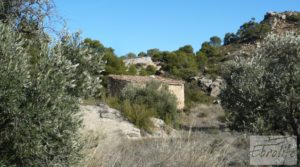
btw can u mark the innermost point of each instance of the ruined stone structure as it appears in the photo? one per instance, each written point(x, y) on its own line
point(117, 82)
point(280, 22)
point(142, 62)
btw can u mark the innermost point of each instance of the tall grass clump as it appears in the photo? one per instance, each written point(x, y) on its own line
point(139, 115)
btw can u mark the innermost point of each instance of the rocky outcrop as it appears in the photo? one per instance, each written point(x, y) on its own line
point(111, 123)
point(205, 83)
point(215, 87)
point(106, 112)
point(281, 22)
point(160, 129)
point(141, 62)
point(212, 87)
point(107, 121)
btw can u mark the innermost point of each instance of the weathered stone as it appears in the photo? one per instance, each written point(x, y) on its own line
point(158, 123)
point(205, 83)
point(109, 113)
point(116, 83)
point(141, 61)
point(216, 87)
point(217, 102)
point(108, 121)
point(132, 132)
point(160, 129)
point(111, 123)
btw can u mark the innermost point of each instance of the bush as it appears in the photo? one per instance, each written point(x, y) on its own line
point(230, 38)
point(155, 96)
point(294, 18)
point(113, 102)
point(139, 115)
point(150, 70)
point(194, 95)
point(132, 70)
point(262, 92)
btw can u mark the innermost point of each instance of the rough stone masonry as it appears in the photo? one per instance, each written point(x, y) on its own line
point(117, 82)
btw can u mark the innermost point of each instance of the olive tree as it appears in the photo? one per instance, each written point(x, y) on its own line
point(262, 92)
point(38, 114)
point(90, 66)
point(28, 16)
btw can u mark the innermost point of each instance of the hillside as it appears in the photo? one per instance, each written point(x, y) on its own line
point(250, 34)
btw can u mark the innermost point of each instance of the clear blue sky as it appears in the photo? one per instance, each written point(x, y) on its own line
point(139, 25)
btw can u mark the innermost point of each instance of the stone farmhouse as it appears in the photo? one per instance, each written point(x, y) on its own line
point(117, 82)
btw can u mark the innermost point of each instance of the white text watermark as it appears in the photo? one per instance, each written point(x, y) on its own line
point(273, 150)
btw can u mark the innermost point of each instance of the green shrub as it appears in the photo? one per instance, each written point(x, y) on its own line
point(294, 18)
point(262, 91)
point(155, 96)
point(149, 70)
point(194, 95)
point(38, 122)
point(230, 38)
point(138, 114)
point(132, 70)
point(113, 102)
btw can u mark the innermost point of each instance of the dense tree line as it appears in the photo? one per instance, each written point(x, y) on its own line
point(248, 32)
point(185, 62)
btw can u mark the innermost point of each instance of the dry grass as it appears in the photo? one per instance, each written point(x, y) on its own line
point(203, 117)
point(191, 148)
point(195, 149)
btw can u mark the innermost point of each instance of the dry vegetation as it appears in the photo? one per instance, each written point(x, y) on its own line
point(192, 147)
point(195, 149)
point(205, 118)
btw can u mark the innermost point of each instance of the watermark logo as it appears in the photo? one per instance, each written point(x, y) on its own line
point(273, 150)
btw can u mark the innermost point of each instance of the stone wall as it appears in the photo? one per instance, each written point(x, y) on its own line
point(115, 86)
point(178, 91)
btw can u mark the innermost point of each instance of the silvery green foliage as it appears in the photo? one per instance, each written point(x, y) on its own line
point(38, 121)
point(27, 16)
point(262, 92)
point(90, 66)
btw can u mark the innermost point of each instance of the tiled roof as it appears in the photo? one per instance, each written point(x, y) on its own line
point(145, 79)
